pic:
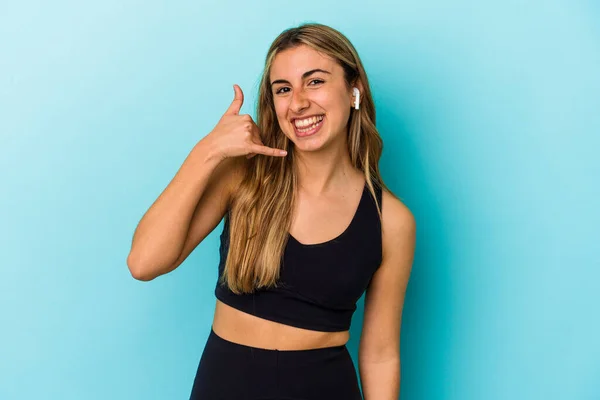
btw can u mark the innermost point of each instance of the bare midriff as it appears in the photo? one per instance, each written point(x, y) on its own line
point(239, 327)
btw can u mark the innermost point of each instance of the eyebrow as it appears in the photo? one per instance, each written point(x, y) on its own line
point(304, 75)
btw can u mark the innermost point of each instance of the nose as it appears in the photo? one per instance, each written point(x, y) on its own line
point(299, 101)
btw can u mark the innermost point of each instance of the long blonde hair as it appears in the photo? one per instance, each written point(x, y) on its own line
point(260, 212)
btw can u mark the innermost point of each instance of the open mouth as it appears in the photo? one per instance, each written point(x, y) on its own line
point(308, 126)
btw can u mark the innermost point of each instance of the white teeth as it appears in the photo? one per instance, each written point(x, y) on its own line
point(311, 127)
point(301, 123)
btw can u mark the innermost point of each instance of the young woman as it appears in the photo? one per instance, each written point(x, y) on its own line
point(309, 227)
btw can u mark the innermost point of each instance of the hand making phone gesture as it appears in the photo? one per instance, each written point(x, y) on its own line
point(238, 135)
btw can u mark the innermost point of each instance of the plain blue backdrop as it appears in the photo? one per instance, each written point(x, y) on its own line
point(489, 112)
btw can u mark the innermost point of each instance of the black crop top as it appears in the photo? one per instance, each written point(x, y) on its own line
point(320, 283)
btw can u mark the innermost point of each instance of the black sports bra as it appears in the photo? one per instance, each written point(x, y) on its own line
point(319, 283)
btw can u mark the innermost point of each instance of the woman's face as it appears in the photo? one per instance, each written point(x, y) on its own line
point(311, 99)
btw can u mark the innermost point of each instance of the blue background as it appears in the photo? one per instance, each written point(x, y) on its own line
point(489, 113)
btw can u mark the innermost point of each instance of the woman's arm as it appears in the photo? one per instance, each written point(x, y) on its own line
point(379, 349)
point(195, 198)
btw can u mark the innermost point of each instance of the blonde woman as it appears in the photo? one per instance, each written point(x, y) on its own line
point(309, 227)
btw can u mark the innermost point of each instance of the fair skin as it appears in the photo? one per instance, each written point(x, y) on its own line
point(323, 162)
point(329, 191)
point(304, 83)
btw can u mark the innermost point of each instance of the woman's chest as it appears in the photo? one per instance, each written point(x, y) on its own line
point(336, 273)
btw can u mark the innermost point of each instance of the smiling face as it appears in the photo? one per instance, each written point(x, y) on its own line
point(311, 98)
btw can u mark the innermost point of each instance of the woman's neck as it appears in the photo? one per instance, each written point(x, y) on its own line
point(324, 171)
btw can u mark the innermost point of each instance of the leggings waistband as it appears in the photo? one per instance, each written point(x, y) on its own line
point(234, 371)
point(281, 355)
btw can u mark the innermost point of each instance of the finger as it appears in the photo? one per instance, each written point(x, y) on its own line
point(268, 151)
point(237, 102)
point(250, 155)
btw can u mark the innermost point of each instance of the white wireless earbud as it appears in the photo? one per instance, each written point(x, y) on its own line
point(356, 98)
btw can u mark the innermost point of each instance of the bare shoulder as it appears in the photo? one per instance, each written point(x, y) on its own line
point(384, 300)
point(398, 224)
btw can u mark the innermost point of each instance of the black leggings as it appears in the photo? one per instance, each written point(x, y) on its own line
point(232, 371)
